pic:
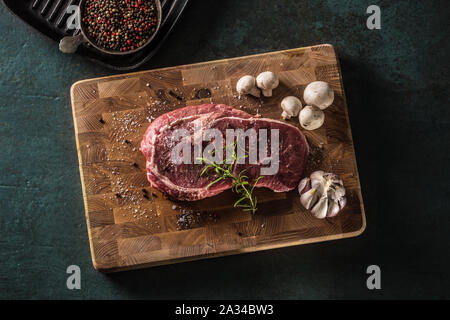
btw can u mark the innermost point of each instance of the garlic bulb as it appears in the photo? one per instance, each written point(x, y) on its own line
point(323, 194)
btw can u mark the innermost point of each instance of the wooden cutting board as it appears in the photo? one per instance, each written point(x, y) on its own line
point(133, 226)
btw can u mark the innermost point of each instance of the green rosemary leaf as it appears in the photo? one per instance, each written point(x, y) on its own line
point(214, 182)
point(239, 201)
point(205, 170)
point(254, 185)
point(247, 200)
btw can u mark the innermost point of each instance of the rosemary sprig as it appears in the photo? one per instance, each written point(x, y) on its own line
point(240, 184)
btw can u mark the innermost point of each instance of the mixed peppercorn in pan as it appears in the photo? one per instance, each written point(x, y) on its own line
point(120, 25)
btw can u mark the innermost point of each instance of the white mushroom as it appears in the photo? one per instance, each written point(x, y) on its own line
point(247, 85)
point(267, 81)
point(291, 107)
point(319, 94)
point(311, 118)
point(323, 194)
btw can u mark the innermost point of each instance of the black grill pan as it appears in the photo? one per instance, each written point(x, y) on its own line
point(50, 17)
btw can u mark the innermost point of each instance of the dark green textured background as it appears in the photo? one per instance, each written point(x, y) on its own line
point(397, 85)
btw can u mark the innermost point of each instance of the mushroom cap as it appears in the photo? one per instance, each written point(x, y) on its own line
point(311, 118)
point(291, 106)
point(245, 84)
point(319, 94)
point(267, 80)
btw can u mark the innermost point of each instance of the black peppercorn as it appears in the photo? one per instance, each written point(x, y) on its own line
point(120, 25)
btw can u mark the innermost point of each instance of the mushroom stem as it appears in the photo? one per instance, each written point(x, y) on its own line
point(267, 81)
point(285, 115)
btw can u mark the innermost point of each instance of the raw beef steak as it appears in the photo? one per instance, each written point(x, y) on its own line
point(183, 181)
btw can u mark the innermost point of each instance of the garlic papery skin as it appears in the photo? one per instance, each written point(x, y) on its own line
point(323, 194)
point(320, 209)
